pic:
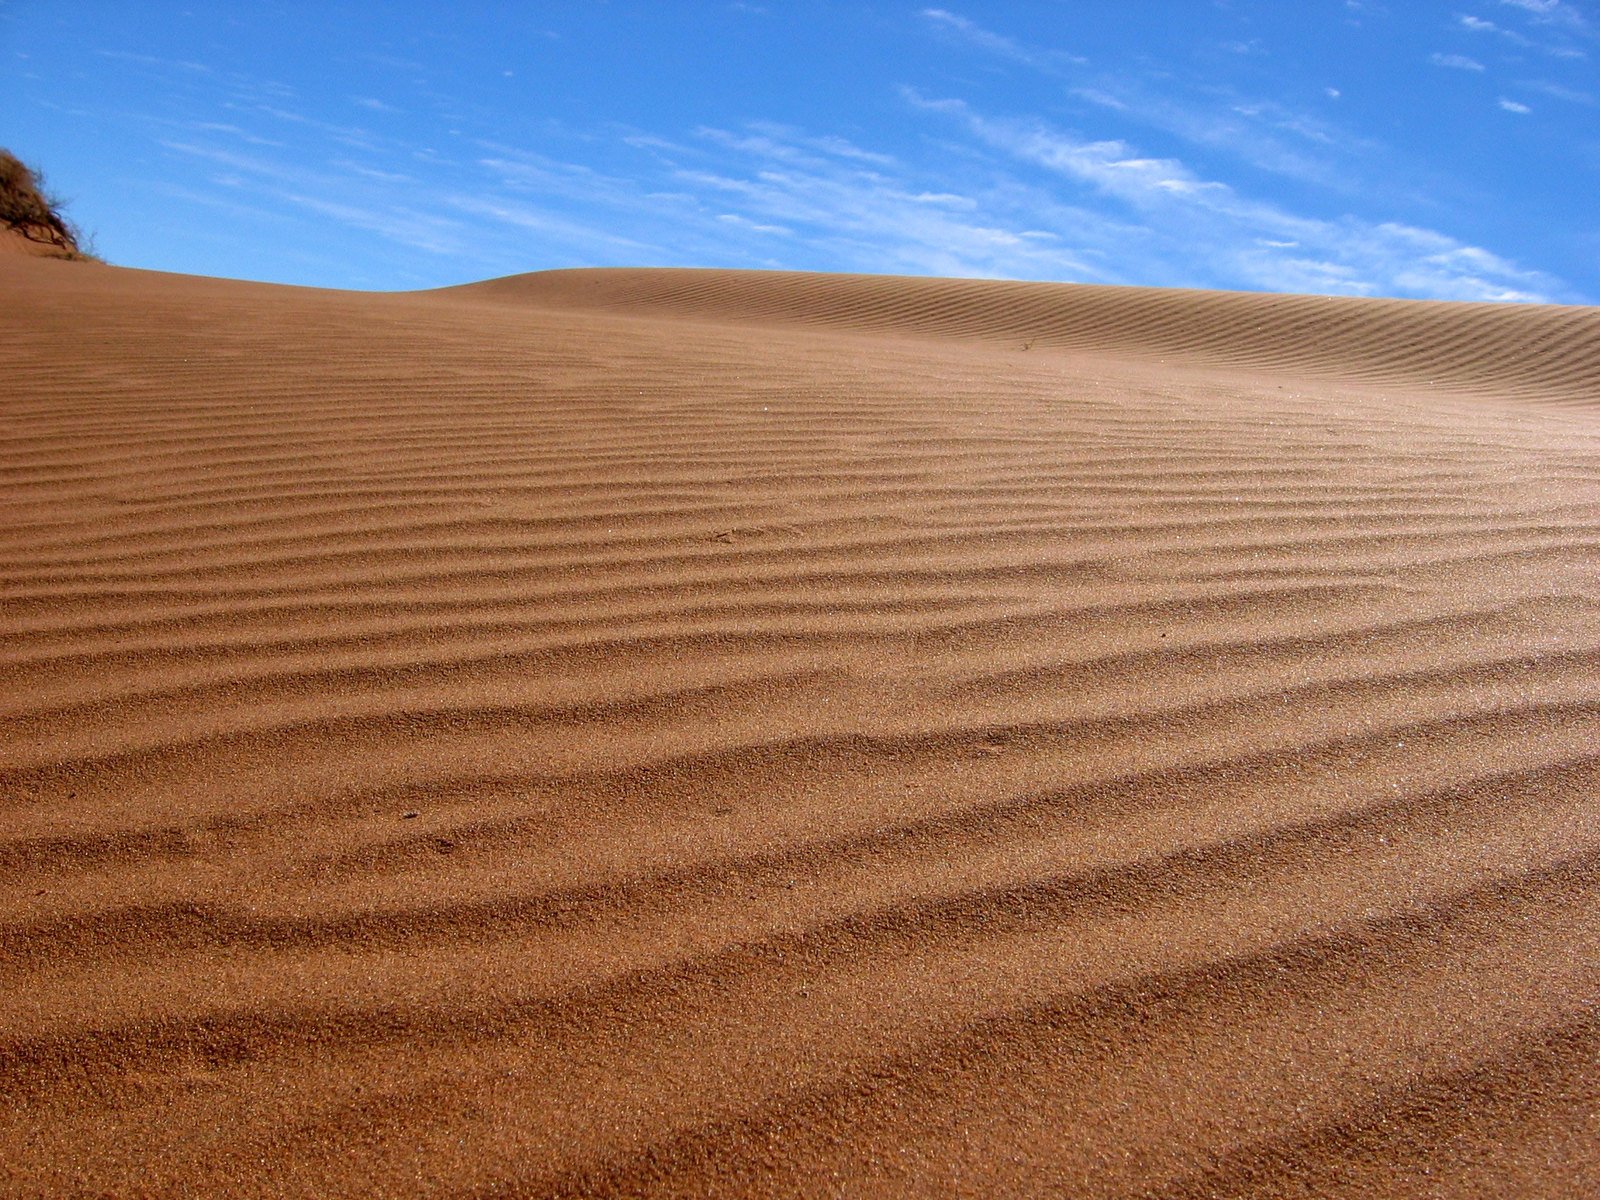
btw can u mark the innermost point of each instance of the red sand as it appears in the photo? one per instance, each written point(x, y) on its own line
point(703, 733)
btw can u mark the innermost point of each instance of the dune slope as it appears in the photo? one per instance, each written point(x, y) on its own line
point(692, 733)
point(1503, 350)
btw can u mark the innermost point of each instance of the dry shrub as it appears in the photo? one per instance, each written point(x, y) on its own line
point(27, 207)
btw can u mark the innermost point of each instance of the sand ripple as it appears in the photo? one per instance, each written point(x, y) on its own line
point(686, 733)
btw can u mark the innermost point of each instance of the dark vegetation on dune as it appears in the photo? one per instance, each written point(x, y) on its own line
point(28, 208)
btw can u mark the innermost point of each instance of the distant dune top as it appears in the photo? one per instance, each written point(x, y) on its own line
point(1518, 348)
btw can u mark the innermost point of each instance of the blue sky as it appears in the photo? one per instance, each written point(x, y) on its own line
point(1397, 148)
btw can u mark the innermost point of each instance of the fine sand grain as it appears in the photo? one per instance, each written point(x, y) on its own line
point(707, 733)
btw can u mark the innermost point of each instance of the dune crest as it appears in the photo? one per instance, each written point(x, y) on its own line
point(676, 733)
point(1543, 350)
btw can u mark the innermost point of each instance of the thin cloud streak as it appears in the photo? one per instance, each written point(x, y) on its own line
point(973, 194)
point(1266, 135)
point(768, 194)
point(963, 29)
point(1456, 62)
point(1235, 240)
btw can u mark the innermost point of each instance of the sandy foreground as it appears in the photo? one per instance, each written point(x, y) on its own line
point(703, 733)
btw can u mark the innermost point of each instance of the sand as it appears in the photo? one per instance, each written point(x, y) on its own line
point(704, 733)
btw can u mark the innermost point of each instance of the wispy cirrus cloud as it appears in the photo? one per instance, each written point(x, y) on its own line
point(1267, 135)
point(790, 145)
point(160, 64)
point(957, 191)
point(547, 223)
point(891, 222)
point(1231, 239)
point(1560, 92)
point(1551, 12)
point(368, 205)
point(1264, 245)
point(1552, 26)
point(770, 194)
point(1475, 24)
point(963, 29)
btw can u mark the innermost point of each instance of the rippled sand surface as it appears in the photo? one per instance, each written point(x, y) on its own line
point(713, 733)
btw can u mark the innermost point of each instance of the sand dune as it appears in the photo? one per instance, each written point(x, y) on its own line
point(708, 733)
point(1496, 348)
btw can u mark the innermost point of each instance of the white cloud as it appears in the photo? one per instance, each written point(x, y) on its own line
point(877, 223)
point(1102, 98)
point(973, 33)
point(239, 162)
point(1229, 239)
point(349, 135)
point(1513, 106)
point(215, 127)
point(1458, 62)
point(1562, 19)
point(1571, 95)
point(331, 196)
point(548, 224)
point(979, 196)
point(356, 168)
point(424, 231)
point(1265, 134)
point(1554, 12)
point(946, 200)
point(837, 146)
point(753, 226)
point(1479, 25)
point(782, 141)
point(163, 64)
point(722, 198)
